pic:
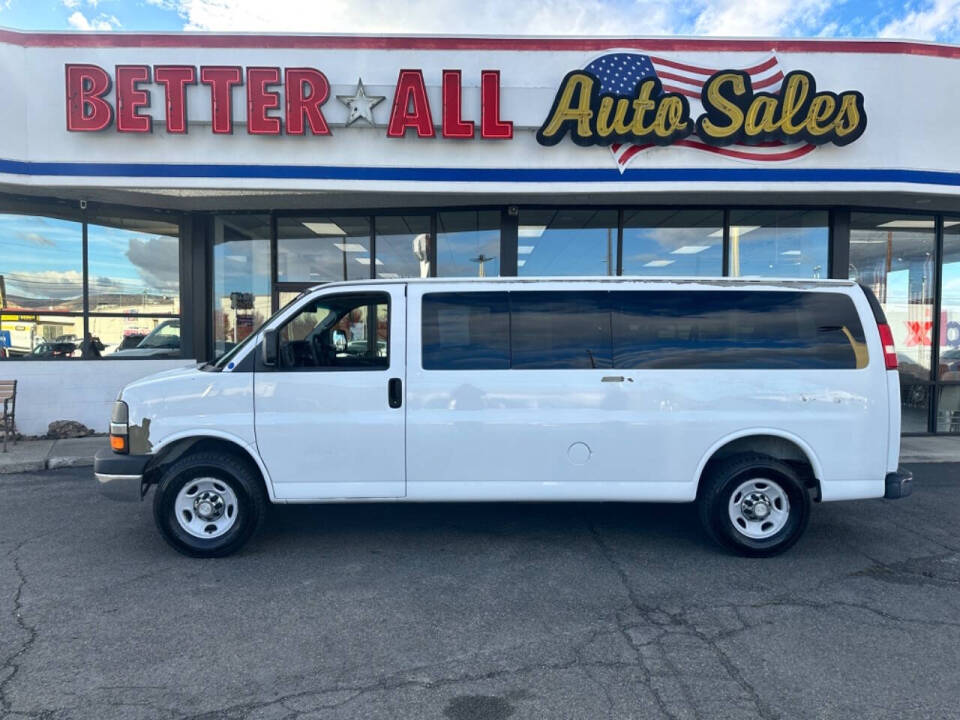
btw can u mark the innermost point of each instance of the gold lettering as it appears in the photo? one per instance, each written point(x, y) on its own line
point(761, 117)
point(822, 109)
point(619, 124)
point(848, 119)
point(669, 117)
point(716, 100)
point(794, 93)
point(565, 110)
point(641, 106)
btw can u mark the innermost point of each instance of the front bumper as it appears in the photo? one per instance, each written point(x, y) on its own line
point(120, 477)
point(898, 484)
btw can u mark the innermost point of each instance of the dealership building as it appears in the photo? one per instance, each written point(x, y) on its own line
point(162, 194)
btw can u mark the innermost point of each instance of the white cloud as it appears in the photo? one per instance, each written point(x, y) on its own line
point(932, 20)
point(71, 4)
point(79, 21)
point(505, 17)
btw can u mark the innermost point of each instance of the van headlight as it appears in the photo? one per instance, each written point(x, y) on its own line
point(120, 427)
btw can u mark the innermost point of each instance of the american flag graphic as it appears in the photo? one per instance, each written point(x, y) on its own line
point(620, 72)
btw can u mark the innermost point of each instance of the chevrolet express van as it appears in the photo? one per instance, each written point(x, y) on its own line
point(751, 398)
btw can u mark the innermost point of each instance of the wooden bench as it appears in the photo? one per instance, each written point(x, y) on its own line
point(8, 394)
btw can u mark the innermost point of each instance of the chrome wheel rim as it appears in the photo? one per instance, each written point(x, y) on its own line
point(759, 508)
point(206, 507)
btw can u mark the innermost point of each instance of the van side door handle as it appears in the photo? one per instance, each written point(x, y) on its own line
point(395, 392)
point(615, 378)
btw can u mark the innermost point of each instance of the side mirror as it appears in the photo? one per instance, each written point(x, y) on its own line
point(269, 347)
point(339, 340)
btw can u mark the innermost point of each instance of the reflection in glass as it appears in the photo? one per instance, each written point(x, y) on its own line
point(673, 242)
point(241, 278)
point(893, 256)
point(135, 336)
point(779, 243)
point(949, 342)
point(134, 266)
point(468, 244)
point(403, 246)
point(567, 242)
point(41, 264)
point(320, 249)
point(26, 335)
point(915, 407)
point(948, 409)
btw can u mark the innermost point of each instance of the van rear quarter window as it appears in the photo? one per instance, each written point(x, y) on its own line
point(641, 329)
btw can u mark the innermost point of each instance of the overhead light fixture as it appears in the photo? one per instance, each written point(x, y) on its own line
point(791, 252)
point(524, 249)
point(950, 223)
point(388, 276)
point(521, 263)
point(690, 249)
point(908, 224)
point(350, 247)
point(741, 229)
point(366, 260)
point(531, 230)
point(659, 263)
point(324, 228)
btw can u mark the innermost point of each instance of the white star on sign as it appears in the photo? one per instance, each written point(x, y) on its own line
point(360, 104)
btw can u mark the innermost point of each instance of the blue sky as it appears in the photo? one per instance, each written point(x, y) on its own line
point(914, 19)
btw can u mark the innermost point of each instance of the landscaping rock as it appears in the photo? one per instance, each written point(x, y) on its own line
point(60, 429)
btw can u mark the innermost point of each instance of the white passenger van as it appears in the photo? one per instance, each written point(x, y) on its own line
point(751, 398)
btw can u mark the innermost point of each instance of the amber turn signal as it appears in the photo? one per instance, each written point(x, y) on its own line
point(118, 443)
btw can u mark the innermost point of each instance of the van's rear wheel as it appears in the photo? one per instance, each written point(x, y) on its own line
point(754, 505)
point(208, 504)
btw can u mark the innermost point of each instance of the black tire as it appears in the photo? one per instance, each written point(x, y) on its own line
point(717, 489)
point(225, 469)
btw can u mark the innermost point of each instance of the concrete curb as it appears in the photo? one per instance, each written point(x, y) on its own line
point(51, 463)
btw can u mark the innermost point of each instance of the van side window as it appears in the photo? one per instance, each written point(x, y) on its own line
point(466, 331)
point(340, 332)
point(560, 330)
point(736, 330)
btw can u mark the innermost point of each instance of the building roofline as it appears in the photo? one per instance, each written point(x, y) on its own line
point(81, 39)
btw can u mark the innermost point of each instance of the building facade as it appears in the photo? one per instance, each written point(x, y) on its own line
point(162, 195)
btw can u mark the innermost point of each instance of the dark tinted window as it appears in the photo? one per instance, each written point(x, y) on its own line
point(466, 331)
point(560, 330)
point(736, 329)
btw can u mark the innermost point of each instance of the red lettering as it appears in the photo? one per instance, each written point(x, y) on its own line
point(87, 111)
point(491, 126)
point(306, 90)
point(130, 98)
point(259, 100)
point(221, 80)
point(411, 108)
point(175, 79)
point(453, 124)
point(918, 333)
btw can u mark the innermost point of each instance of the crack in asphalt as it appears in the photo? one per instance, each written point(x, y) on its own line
point(10, 665)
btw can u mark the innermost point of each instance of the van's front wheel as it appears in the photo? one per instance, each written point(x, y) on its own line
point(754, 505)
point(208, 504)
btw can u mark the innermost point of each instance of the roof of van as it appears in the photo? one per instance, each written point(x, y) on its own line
point(800, 284)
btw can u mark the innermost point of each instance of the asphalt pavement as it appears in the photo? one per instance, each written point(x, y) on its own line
point(477, 612)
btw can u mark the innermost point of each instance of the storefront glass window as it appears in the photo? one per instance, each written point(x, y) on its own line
point(949, 343)
point(673, 242)
point(468, 244)
point(318, 249)
point(893, 255)
point(779, 243)
point(134, 266)
point(567, 242)
point(41, 263)
point(241, 278)
point(403, 246)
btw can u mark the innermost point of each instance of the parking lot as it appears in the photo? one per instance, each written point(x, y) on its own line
point(477, 612)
